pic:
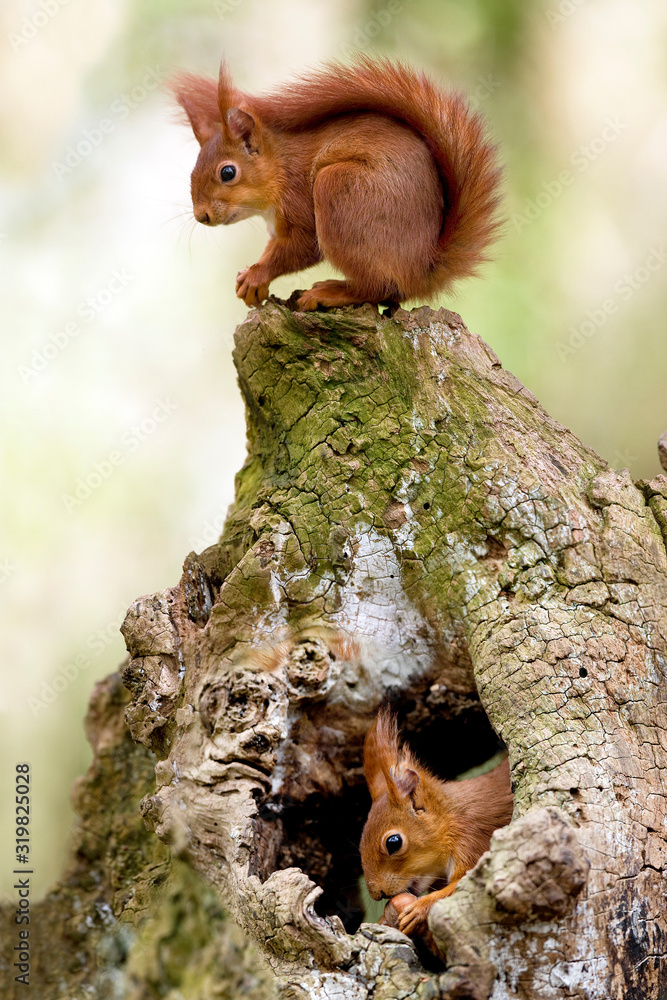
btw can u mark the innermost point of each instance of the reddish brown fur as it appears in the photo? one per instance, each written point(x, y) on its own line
point(445, 826)
point(371, 166)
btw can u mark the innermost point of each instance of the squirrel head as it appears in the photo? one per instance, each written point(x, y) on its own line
point(235, 173)
point(408, 840)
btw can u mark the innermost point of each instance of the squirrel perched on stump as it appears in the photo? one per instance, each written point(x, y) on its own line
point(422, 831)
point(370, 166)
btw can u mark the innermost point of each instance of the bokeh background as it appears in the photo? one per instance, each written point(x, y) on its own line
point(118, 310)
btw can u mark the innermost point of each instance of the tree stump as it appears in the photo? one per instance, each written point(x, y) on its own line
point(410, 524)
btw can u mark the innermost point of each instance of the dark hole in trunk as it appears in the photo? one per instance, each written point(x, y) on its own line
point(321, 834)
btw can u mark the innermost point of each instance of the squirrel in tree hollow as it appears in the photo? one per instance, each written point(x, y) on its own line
point(370, 166)
point(420, 830)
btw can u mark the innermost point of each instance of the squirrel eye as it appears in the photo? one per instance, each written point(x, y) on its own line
point(393, 843)
point(227, 173)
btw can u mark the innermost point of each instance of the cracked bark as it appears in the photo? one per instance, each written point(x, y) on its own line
point(410, 522)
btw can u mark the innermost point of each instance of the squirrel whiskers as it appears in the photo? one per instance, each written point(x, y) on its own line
point(371, 166)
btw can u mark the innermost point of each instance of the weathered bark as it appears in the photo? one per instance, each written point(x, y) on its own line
point(411, 523)
point(409, 520)
point(126, 922)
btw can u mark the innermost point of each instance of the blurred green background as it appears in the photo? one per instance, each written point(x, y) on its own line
point(118, 310)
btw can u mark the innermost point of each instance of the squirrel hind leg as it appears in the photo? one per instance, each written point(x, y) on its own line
point(331, 293)
point(377, 226)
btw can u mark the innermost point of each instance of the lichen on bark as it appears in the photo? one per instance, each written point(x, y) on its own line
point(126, 921)
point(411, 524)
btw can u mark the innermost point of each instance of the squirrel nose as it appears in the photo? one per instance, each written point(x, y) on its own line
point(202, 216)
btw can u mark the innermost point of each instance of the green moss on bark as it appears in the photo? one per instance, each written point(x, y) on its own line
point(127, 921)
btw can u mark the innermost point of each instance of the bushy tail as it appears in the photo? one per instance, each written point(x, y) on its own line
point(455, 135)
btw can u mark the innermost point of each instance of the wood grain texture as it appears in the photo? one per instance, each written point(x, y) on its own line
point(410, 523)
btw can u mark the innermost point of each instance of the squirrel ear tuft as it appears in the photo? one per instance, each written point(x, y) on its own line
point(198, 98)
point(381, 754)
point(373, 771)
point(239, 123)
point(227, 92)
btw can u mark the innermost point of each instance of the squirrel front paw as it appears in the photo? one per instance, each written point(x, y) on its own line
point(413, 918)
point(252, 285)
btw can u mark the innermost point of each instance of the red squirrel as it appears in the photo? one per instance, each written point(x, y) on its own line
point(421, 830)
point(370, 166)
